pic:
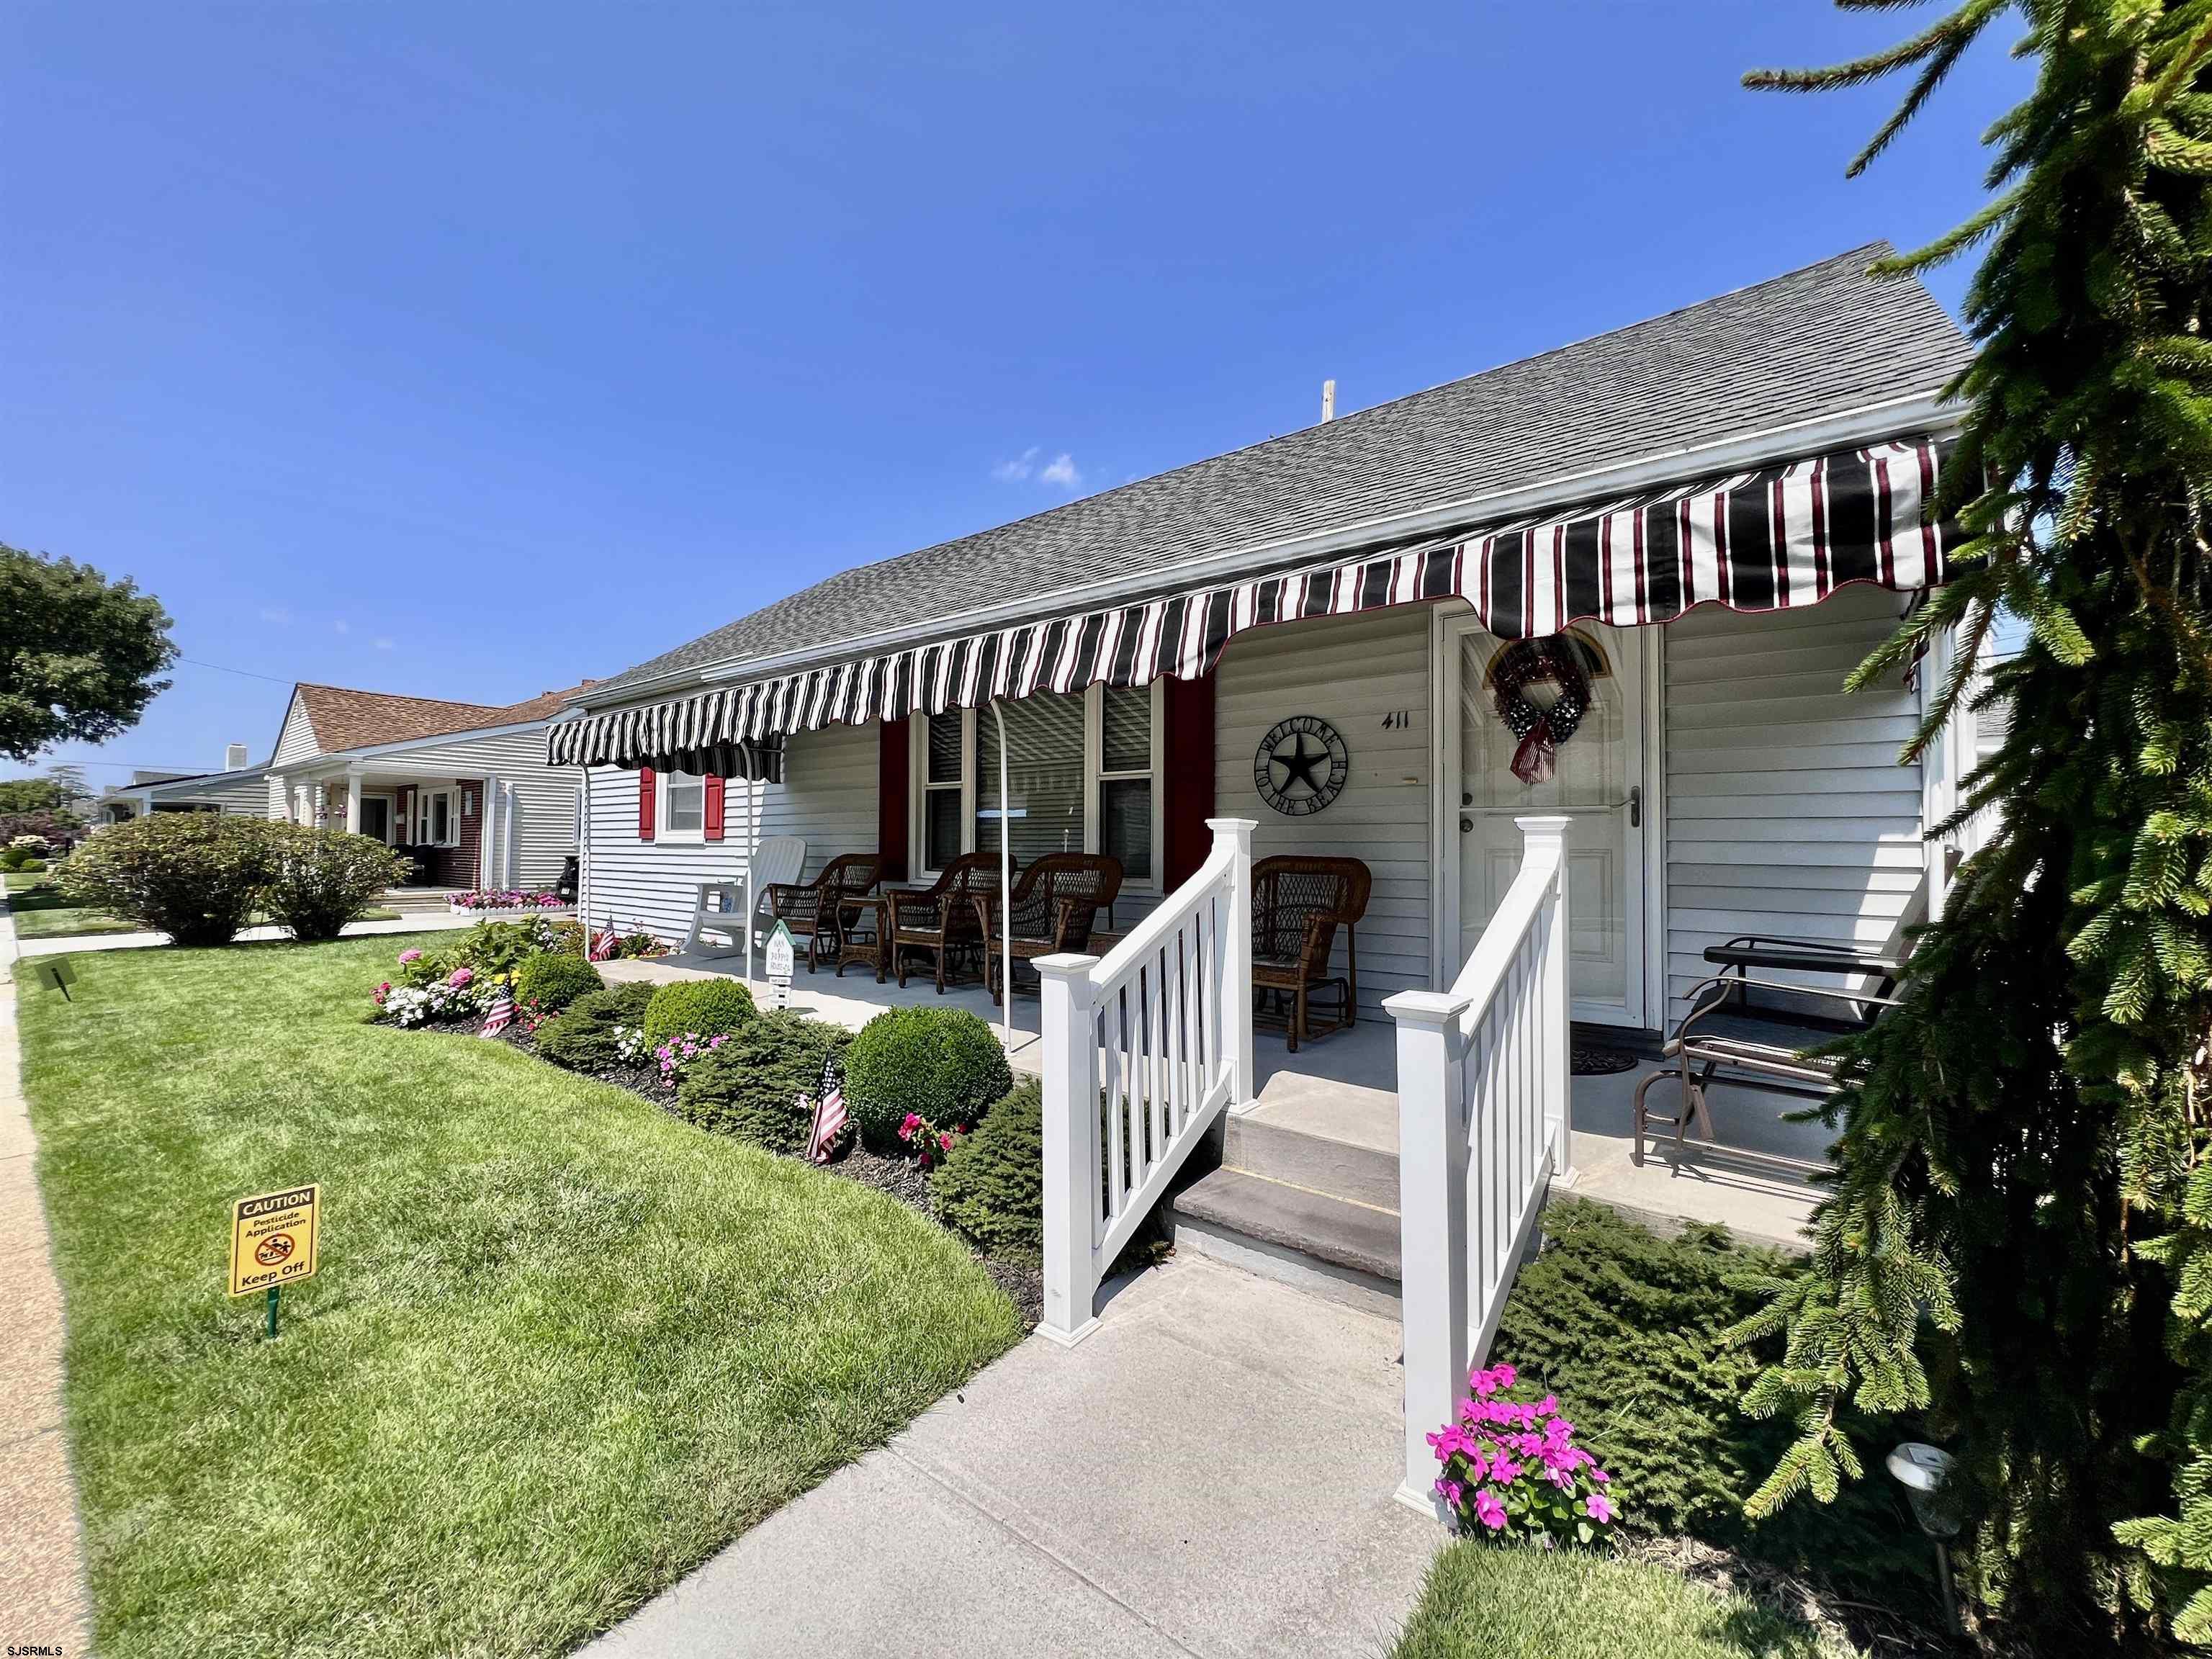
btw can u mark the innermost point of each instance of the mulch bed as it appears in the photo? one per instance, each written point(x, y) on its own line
point(896, 1177)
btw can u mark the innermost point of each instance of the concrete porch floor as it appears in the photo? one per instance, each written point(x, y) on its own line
point(1344, 1088)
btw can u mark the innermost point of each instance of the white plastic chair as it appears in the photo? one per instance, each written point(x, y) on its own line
point(777, 858)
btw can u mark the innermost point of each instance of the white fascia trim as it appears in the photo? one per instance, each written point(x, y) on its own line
point(1921, 413)
point(199, 785)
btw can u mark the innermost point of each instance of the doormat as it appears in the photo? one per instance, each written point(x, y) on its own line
point(1593, 1060)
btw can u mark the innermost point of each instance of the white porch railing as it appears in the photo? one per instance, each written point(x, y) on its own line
point(1143, 1050)
point(1485, 1124)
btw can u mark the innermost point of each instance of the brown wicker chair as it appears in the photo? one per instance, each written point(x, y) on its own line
point(942, 920)
point(811, 907)
point(1054, 905)
point(1298, 905)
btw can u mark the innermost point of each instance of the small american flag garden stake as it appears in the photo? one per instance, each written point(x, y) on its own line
point(501, 1015)
point(829, 1124)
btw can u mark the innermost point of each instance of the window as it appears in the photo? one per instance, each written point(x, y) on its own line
point(436, 822)
point(943, 818)
point(1081, 774)
point(683, 806)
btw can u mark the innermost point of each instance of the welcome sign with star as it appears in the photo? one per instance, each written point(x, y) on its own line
point(1300, 765)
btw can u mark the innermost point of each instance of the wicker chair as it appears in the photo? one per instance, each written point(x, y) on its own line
point(810, 908)
point(942, 920)
point(1298, 905)
point(1054, 905)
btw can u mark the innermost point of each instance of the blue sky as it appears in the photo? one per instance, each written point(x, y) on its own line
point(466, 352)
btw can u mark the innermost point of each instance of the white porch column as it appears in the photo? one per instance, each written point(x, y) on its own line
point(322, 807)
point(353, 798)
point(1068, 1019)
point(1237, 960)
point(1433, 1300)
point(487, 826)
point(1546, 837)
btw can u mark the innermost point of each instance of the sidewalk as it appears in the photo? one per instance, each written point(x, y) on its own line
point(1209, 1474)
point(42, 1589)
point(433, 922)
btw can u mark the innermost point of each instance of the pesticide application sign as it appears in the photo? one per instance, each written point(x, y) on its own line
point(272, 1239)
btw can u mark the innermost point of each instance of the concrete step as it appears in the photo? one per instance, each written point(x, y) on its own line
point(1332, 1246)
point(1318, 1162)
point(413, 904)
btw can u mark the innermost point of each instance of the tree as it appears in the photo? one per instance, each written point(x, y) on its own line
point(2018, 1243)
point(79, 654)
point(61, 790)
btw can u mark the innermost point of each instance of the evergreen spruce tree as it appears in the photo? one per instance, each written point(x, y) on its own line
point(2017, 1247)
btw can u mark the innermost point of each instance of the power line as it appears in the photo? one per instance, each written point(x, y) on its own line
point(249, 673)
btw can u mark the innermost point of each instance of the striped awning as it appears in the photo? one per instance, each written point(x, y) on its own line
point(1780, 537)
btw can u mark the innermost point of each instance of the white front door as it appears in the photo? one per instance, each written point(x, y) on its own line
point(1598, 786)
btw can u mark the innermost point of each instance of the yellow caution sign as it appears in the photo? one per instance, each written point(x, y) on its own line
point(273, 1240)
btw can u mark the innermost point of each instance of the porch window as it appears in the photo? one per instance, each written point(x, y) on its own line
point(683, 806)
point(1082, 777)
point(435, 824)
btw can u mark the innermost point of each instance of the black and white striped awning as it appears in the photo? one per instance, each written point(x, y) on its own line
point(1781, 538)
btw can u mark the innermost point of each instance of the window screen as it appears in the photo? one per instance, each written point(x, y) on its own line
point(1044, 768)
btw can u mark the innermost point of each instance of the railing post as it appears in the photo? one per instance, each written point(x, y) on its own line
point(1432, 1225)
point(1068, 1019)
point(1237, 958)
point(1546, 838)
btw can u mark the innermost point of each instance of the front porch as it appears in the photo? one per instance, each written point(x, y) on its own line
point(1319, 1145)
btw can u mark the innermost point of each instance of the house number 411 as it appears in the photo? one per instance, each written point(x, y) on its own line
point(1397, 720)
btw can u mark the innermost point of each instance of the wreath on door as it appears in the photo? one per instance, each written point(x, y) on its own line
point(1534, 662)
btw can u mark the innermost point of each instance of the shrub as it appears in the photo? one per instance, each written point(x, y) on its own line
point(33, 867)
point(496, 949)
point(1627, 1327)
point(553, 982)
point(194, 876)
point(325, 878)
point(15, 858)
point(991, 1190)
point(701, 1008)
point(750, 1086)
point(941, 1064)
point(582, 1036)
point(569, 938)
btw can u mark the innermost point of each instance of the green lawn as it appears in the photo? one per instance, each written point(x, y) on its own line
point(1483, 1601)
point(561, 1347)
point(41, 912)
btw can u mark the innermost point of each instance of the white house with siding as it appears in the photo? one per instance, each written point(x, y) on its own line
point(463, 789)
point(1680, 537)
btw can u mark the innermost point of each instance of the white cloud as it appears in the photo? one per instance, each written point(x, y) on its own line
point(1060, 472)
point(276, 616)
point(381, 643)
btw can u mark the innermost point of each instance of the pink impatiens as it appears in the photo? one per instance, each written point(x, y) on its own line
point(1511, 1465)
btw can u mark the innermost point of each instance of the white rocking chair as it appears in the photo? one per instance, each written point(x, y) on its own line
point(777, 858)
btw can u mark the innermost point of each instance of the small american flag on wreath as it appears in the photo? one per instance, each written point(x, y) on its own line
point(501, 1014)
point(604, 944)
point(829, 1121)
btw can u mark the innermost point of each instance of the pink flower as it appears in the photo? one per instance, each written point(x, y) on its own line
point(1490, 1512)
point(1450, 1491)
point(459, 977)
point(1597, 1508)
point(1504, 1375)
point(913, 1122)
point(944, 1142)
point(410, 955)
point(1601, 1477)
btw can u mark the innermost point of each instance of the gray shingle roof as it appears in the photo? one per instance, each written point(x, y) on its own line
point(1819, 341)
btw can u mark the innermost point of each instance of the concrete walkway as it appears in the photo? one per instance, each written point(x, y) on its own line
point(42, 1589)
point(432, 922)
point(1210, 1474)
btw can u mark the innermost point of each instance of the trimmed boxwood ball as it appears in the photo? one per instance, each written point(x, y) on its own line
point(553, 980)
point(581, 1036)
point(711, 1007)
point(991, 1188)
point(750, 1086)
point(942, 1063)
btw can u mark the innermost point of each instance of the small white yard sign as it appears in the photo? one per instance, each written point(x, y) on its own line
point(781, 958)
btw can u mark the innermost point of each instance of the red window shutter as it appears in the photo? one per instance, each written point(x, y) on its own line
point(713, 812)
point(893, 754)
point(1187, 757)
point(644, 794)
point(406, 808)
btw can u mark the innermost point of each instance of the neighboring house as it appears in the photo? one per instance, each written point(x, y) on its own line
point(1722, 784)
point(462, 788)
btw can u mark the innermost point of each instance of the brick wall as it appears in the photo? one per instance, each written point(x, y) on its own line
point(458, 865)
